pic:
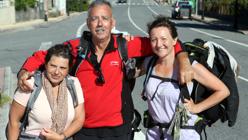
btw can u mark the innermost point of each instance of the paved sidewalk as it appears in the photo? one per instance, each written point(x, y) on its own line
point(220, 23)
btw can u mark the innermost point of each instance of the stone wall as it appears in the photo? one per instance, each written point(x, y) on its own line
point(31, 13)
point(7, 15)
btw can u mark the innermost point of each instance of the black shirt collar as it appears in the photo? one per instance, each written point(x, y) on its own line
point(109, 48)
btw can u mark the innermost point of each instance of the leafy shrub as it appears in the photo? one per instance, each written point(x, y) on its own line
point(4, 99)
point(77, 5)
point(23, 4)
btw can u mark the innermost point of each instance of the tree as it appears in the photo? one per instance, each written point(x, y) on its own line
point(24, 4)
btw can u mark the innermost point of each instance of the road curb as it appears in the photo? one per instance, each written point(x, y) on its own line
point(8, 76)
point(35, 23)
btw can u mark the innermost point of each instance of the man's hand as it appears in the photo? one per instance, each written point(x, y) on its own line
point(186, 73)
point(22, 83)
point(128, 37)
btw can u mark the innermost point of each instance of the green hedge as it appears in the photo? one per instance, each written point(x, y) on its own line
point(23, 4)
point(77, 5)
point(4, 99)
point(224, 7)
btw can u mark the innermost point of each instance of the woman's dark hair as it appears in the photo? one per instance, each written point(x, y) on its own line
point(163, 21)
point(60, 50)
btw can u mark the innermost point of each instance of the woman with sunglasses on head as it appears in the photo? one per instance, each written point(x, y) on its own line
point(53, 115)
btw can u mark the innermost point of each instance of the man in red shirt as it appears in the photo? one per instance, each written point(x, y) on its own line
point(108, 101)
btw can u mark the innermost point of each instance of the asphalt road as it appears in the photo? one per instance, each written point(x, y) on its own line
point(16, 45)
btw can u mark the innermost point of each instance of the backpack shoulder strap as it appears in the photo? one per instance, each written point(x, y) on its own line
point(122, 48)
point(71, 87)
point(149, 69)
point(83, 50)
point(35, 93)
point(129, 63)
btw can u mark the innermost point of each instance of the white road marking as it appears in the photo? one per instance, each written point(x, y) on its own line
point(219, 37)
point(242, 78)
point(131, 20)
point(151, 9)
point(79, 30)
point(113, 2)
point(115, 31)
point(45, 45)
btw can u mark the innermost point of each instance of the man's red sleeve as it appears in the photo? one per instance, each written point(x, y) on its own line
point(178, 47)
point(33, 62)
point(139, 47)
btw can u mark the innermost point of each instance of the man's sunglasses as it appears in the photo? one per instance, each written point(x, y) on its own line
point(100, 79)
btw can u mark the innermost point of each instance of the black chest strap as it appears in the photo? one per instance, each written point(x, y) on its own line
point(82, 51)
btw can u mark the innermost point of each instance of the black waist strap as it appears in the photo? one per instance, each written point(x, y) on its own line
point(162, 125)
point(188, 127)
point(167, 125)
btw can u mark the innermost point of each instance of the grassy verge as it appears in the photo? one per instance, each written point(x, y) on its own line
point(4, 99)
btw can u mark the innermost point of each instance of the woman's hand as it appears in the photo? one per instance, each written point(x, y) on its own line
point(191, 106)
point(51, 135)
